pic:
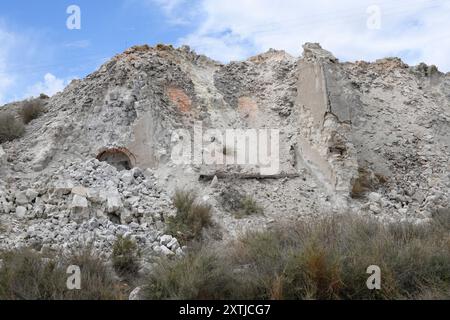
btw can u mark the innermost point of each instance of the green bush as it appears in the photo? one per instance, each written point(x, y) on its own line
point(31, 109)
point(125, 257)
point(191, 217)
point(10, 127)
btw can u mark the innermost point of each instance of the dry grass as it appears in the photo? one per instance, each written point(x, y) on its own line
point(323, 259)
point(29, 275)
point(10, 127)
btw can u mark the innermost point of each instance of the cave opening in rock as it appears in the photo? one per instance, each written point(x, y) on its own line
point(120, 158)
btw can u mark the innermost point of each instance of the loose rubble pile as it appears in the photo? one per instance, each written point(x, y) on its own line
point(88, 204)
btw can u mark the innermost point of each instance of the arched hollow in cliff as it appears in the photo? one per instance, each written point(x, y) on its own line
point(120, 158)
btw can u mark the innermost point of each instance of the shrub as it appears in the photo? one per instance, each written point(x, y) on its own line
point(10, 127)
point(125, 257)
point(31, 110)
point(29, 275)
point(191, 218)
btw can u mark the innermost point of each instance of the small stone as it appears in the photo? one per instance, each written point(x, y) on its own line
point(21, 198)
point(63, 187)
point(2, 156)
point(134, 225)
point(79, 202)
point(127, 177)
point(137, 173)
point(21, 212)
point(31, 194)
point(375, 208)
point(179, 252)
point(375, 197)
point(166, 251)
point(214, 182)
point(126, 217)
point(93, 195)
point(173, 244)
point(81, 191)
point(165, 240)
point(135, 295)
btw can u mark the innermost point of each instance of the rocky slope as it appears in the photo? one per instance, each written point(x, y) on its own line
point(368, 138)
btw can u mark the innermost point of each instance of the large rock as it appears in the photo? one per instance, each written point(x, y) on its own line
point(79, 208)
point(113, 201)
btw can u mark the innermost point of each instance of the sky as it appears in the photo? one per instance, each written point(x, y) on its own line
point(45, 44)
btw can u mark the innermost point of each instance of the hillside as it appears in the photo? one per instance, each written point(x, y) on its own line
point(371, 139)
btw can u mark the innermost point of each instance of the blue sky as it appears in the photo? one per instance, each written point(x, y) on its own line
point(38, 53)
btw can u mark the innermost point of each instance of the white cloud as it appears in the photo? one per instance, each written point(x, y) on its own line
point(416, 30)
point(49, 86)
